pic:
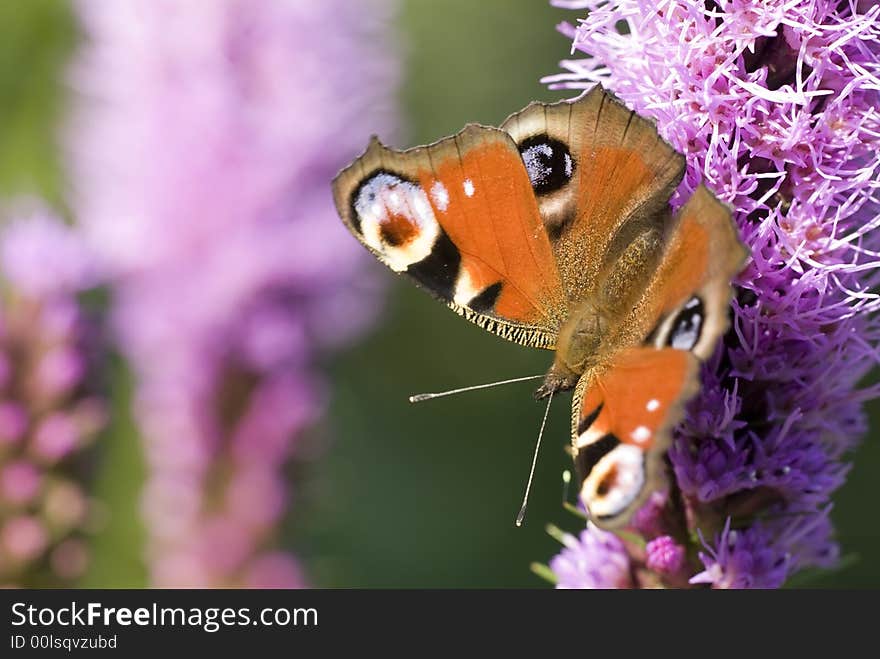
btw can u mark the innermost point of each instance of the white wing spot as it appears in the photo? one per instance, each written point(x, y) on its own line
point(469, 187)
point(641, 434)
point(440, 195)
point(653, 405)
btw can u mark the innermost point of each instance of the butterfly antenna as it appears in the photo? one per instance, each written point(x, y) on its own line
point(566, 482)
point(418, 398)
point(522, 511)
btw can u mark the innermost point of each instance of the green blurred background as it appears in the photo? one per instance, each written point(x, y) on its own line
point(396, 495)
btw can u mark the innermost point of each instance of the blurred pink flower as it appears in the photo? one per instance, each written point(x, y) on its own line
point(204, 148)
point(49, 413)
point(595, 559)
point(42, 256)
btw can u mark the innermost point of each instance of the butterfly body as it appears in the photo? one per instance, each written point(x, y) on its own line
point(599, 325)
point(555, 231)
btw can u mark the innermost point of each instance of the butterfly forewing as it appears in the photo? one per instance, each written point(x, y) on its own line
point(602, 176)
point(459, 217)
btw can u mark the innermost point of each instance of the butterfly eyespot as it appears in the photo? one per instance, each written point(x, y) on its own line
point(548, 162)
point(687, 326)
point(615, 482)
point(397, 231)
point(607, 482)
point(395, 218)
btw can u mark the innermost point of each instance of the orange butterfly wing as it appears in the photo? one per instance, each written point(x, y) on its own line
point(621, 175)
point(704, 253)
point(624, 412)
point(459, 218)
point(622, 420)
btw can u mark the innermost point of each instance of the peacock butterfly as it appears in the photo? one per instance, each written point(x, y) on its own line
point(555, 231)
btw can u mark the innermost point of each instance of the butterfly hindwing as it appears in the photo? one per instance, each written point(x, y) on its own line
point(688, 300)
point(622, 421)
point(460, 218)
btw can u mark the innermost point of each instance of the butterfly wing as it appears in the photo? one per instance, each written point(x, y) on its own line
point(460, 219)
point(623, 413)
point(687, 303)
point(603, 177)
point(622, 421)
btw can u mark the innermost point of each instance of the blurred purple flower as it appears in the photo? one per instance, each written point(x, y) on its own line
point(49, 411)
point(42, 257)
point(597, 559)
point(204, 156)
point(775, 105)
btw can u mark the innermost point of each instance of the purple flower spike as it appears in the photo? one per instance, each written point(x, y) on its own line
point(774, 105)
point(649, 519)
point(48, 415)
point(55, 437)
point(206, 141)
point(22, 539)
point(42, 256)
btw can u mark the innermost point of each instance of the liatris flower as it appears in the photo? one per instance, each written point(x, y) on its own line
point(664, 555)
point(774, 103)
point(49, 410)
point(597, 559)
point(204, 151)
